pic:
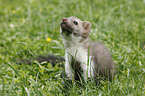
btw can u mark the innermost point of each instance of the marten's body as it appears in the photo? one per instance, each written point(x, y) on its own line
point(84, 58)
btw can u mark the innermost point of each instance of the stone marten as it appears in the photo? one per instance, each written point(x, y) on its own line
point(84, 58)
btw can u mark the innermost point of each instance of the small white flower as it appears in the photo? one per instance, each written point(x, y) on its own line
point(12, 25)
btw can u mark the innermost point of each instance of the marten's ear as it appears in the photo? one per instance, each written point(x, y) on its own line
point(86, 25)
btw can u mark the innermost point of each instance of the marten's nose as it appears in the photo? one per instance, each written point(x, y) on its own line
point(64, 20)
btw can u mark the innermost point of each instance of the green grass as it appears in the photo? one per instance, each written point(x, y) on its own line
point(26, 24)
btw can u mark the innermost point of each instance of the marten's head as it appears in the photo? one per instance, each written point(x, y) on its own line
point(74, 27)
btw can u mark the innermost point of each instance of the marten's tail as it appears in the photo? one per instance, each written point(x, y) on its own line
point(46, 59)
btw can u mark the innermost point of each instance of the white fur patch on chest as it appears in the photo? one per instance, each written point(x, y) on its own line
point(75, 49)
point(78, 53)
point(81, 55)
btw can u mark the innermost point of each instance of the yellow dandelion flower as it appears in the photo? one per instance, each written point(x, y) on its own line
point(13, 11)
point(48, 39)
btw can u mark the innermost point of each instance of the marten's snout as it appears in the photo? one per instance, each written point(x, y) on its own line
point(66, 26)
point(64, 20)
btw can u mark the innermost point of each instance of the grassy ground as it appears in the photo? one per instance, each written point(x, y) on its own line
point(25, 26)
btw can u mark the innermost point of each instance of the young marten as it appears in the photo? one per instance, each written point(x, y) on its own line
point(84, 58)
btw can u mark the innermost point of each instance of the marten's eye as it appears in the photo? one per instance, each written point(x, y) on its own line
point(75, 22)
